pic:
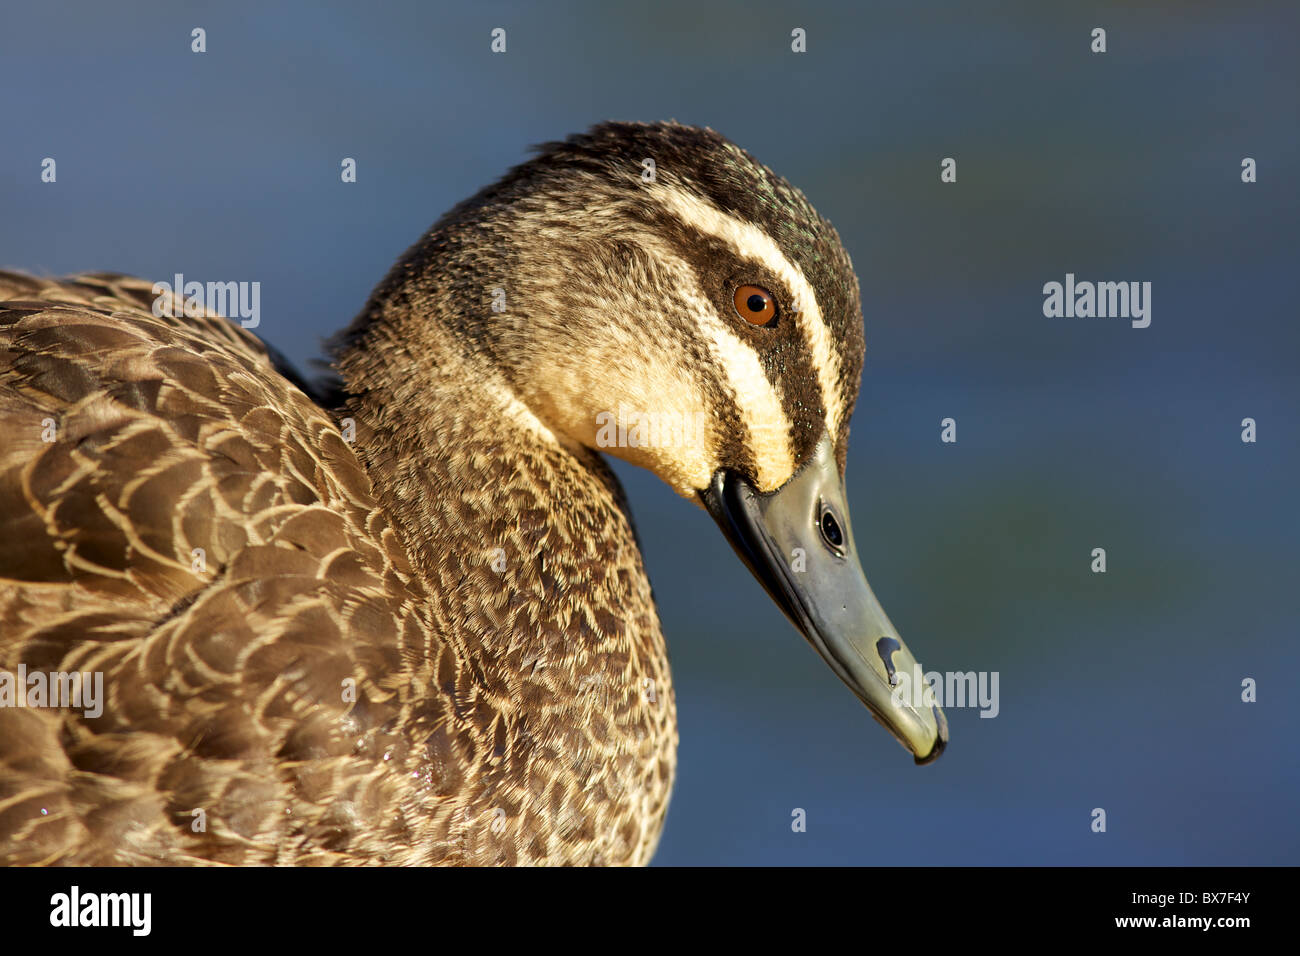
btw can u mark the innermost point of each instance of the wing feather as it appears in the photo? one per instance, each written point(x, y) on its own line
point(179, 516)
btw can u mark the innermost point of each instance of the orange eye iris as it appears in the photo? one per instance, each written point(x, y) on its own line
point(755, 304)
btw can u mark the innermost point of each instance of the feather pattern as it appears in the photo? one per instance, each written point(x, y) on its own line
point(227, 684)
point(408, 623)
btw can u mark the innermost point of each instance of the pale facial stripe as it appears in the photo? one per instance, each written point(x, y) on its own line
point(753, 243)
point(759, 403)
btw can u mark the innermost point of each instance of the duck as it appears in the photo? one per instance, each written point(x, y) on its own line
point(399, 615)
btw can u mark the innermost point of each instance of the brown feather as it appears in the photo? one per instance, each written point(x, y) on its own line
point(226, 685)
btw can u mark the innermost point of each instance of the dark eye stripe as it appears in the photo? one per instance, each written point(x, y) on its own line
point(784, 355)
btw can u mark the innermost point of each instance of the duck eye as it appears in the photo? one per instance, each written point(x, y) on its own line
point(755, 304)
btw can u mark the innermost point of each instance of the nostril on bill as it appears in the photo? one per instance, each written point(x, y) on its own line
point(886, 647)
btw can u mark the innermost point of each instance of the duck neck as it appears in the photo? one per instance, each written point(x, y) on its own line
point(525, 554)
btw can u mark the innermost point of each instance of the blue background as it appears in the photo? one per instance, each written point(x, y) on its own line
point(1119, 691)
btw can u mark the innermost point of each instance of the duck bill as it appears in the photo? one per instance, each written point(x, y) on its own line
point(814, 575)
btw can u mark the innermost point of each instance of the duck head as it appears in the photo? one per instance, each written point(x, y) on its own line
point(653, 292)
